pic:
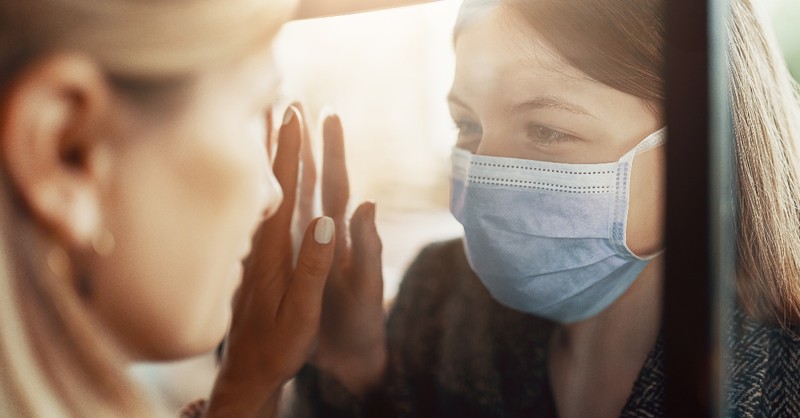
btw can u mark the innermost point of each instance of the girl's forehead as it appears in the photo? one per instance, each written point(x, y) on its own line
point(502, 43)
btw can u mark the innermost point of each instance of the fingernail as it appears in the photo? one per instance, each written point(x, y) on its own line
point(298, 106)
point(289, 116)
point(330, 122)
point(323, 230)
point(325, 111)
point(371, 213)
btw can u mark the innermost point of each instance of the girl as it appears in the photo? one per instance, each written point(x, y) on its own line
point(551, 304)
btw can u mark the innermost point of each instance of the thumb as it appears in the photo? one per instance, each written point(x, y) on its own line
point(304, 294)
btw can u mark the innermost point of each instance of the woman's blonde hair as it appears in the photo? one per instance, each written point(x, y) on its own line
point(766, 117)
point(55, 360)
point(621, 43)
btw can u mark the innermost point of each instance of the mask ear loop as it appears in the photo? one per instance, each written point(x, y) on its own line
point(653, 140)
point(621, 206)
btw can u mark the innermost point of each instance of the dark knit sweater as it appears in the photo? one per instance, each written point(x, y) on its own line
point(455, 352)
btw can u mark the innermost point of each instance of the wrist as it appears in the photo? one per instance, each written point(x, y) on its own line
point(236, 395)
point(358, 373)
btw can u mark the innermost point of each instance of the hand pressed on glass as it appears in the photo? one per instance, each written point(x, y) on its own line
point(276, 310)
point(352, 340)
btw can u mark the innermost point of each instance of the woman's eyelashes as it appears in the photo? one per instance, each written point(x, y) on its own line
point(468, 128)
point(470, 134)
point(544, 135)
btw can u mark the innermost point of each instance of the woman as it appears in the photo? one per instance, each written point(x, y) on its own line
point(134, 175)
point(551, 305)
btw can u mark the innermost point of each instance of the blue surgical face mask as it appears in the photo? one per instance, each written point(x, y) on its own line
point(548, 238)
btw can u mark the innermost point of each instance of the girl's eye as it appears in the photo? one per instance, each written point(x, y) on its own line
point(546, 135)
point(466, 128)
point(469, 135)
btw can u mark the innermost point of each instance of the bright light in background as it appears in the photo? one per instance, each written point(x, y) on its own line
point(785, 15)
point(387, 74)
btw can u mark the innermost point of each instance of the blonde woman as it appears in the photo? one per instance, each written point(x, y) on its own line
point(133, 175)
point(551, 303)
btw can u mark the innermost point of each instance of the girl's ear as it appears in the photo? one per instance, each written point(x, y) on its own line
point(52, 143)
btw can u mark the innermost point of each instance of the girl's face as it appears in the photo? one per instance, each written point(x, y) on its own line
point(187, 193)
point(514, 96)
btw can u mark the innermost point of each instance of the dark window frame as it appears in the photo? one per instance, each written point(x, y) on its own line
point(700, 220)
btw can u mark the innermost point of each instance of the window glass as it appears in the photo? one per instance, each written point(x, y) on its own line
point(785, 14)
point(539, 136)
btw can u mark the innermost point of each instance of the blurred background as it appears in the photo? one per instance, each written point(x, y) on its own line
point(785, 15)
point(387, 73)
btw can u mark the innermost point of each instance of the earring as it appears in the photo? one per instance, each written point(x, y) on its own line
point(103, 243)
point(58, 262)
point(62, 266)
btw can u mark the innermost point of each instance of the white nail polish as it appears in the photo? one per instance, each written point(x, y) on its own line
point(323, 231)
point(289, 115)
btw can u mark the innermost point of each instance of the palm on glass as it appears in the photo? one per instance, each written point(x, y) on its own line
point(276, 311)
point(352, 337)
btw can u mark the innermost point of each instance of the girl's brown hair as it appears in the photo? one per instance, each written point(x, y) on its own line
point(620, 43)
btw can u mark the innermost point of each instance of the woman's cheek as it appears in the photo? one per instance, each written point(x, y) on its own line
point(180, 227)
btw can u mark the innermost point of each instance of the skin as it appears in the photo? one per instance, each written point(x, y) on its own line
point(182, 193)
point(351, 344)
point(352, 338)
point(344, 322)
point(183, 199)
point(513, 96)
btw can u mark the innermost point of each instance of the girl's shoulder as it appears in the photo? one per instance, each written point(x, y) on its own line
point(763, 367)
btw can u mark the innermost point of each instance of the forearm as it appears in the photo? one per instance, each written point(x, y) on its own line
point(362, 374)
point(318, 394)
point(234, 397)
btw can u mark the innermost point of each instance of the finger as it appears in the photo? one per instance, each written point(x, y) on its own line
point(303, 297)
point(270, 256)
point(335, 182)
point(285, 168)
point(270, 136)
point(335, 188)
point(366, 249)
point(308, 176)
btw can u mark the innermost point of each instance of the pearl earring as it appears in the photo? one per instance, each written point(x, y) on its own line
point(58, 262)
point(103, 243)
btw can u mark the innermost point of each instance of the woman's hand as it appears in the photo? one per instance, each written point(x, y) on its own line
point(276, 311)
point(352, 338)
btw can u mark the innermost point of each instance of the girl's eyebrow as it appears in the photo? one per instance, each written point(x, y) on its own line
point(540, 102)
point(551, 102)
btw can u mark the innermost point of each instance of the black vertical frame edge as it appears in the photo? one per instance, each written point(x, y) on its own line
point(723, 203)
point(687, 286)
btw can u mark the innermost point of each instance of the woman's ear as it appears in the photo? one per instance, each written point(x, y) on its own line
point(52, 143)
